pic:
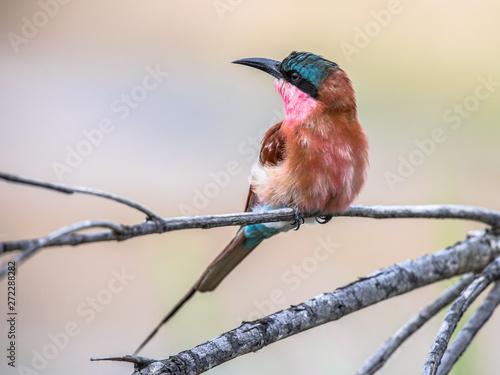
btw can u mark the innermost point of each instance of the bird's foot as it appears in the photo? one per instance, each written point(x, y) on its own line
point(299, 219)
point(323, 219)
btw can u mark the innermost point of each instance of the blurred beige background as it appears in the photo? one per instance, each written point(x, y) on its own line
point(182, 125)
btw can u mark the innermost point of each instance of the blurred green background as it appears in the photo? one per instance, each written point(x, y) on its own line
point(182, 130)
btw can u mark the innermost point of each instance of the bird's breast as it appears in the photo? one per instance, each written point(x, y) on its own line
point(323, 170)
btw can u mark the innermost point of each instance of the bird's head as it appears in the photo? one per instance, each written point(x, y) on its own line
point(308, 82)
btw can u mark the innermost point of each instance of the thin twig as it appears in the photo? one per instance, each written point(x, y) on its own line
point(480, 214)
point(47, 240)
point(470, 329)
point(379, 358)
point(135, 359)
point(431, 211)
point(468, 256)
point(79, 189)
point(457, 309)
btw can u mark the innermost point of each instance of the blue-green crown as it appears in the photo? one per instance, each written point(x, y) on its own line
point(310, 67)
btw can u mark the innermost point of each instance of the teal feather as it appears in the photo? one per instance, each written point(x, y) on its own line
point(311, 67)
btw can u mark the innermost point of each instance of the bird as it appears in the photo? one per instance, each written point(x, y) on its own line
point(315, 160)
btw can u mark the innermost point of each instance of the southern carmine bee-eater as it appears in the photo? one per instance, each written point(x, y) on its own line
point(315, 160)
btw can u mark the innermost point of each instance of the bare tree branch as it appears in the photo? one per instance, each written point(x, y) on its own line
point(160, 226)
point(469, 330)
point(480, 214)
point(47, 240)
point(79, 189)
point(484, 215)
point(470, 255)
point(378, 359)
point(452, 317)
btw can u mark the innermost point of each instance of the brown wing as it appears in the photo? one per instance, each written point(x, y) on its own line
point(272, 152)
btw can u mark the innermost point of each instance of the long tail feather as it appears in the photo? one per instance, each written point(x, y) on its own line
point(221, 266)
point(170, 314)
point(225, 262)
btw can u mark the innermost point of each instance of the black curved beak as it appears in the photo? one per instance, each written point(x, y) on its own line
point(266, 65)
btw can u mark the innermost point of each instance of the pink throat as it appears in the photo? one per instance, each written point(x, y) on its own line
point(297, 104)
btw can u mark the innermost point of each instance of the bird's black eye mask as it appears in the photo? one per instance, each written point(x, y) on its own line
point(301, 83)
